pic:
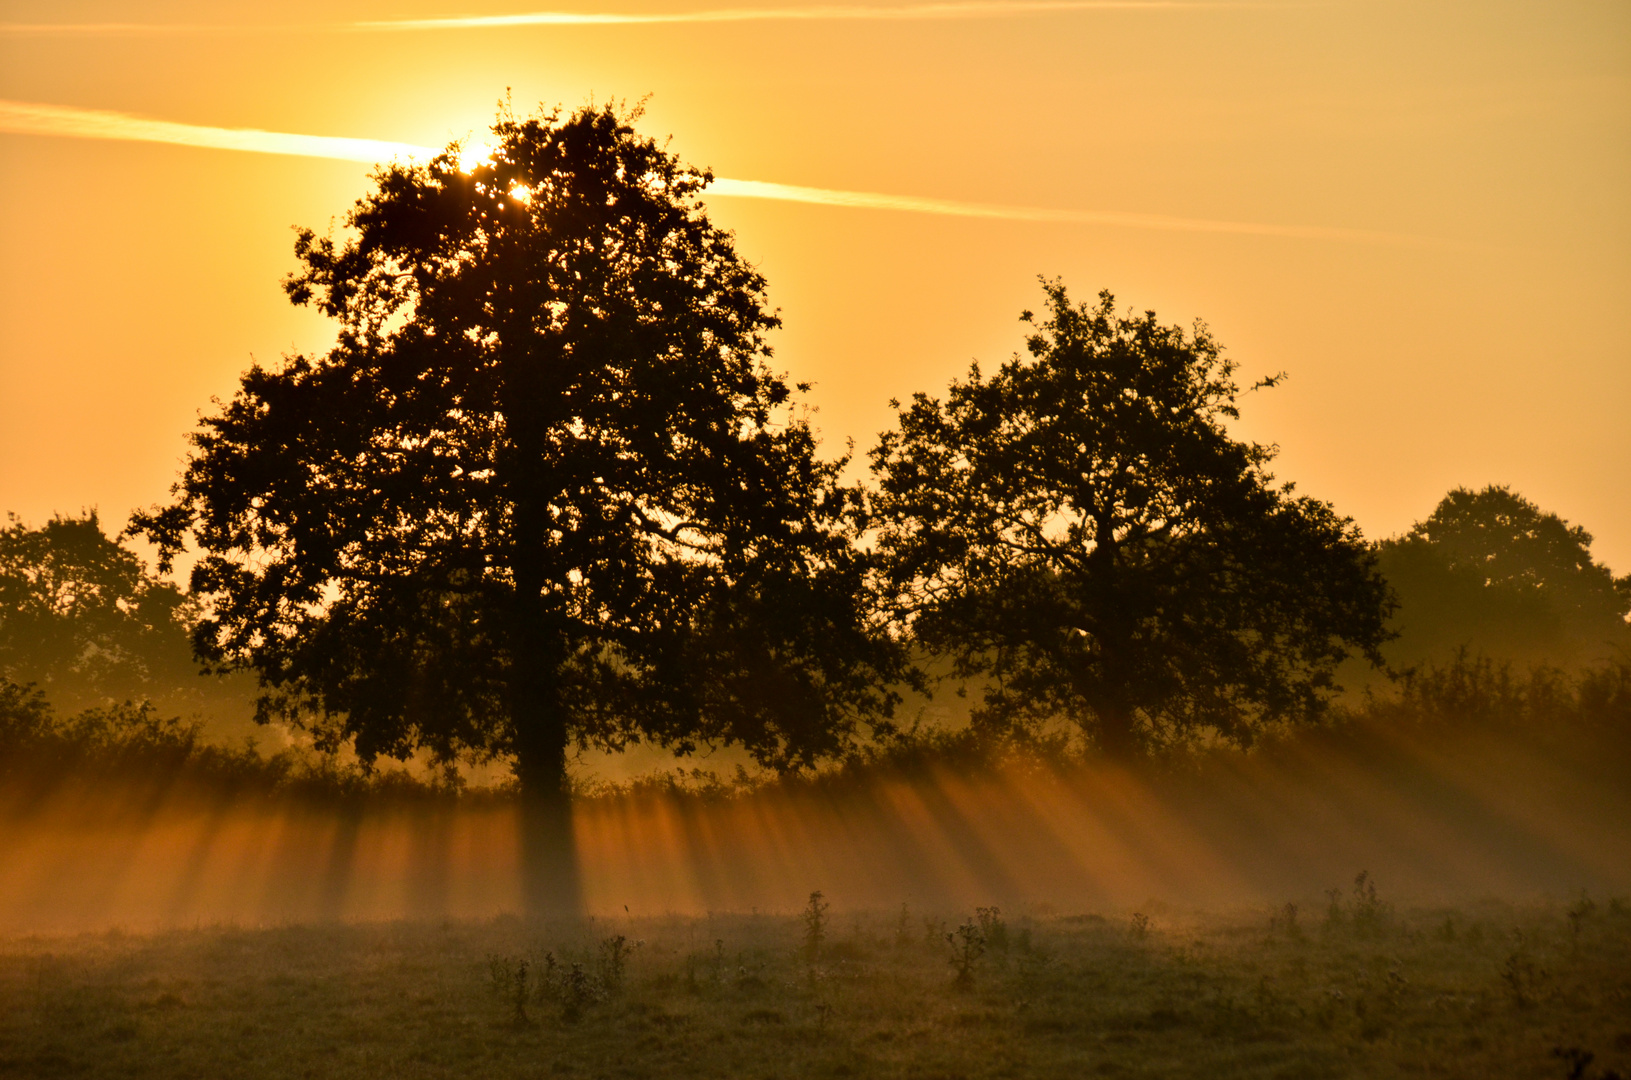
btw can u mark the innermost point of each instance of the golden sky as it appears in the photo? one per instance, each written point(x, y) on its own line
point(1419, 210)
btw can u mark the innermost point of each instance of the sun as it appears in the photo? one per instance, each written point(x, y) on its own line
point(474, 154)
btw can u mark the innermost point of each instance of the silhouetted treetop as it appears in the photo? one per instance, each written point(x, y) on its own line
point(1081, 529)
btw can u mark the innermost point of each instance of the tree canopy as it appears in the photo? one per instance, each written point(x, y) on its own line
point(1081, 530)
point(544, 490)
point(1491, 572)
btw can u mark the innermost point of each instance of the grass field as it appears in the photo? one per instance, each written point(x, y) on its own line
point(1345, 986)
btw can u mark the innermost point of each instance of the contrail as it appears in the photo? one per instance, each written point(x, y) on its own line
point(60, 120)
point(757, 189)
point(28, 119)
point(818, 13)
point(973, 9)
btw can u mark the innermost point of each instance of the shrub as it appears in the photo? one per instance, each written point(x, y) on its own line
point(1522, 977)
point(815, 926)
point(903, 928)
point(967, 946)
point(614, 960)
point(577, 992)
point(1368, 911)
point(992, 928)
point(1286, 919)
point(508, 979)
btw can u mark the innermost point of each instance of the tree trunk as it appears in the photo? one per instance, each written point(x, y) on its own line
point(1116, 736)
point(549, 861)
point(550, 886)
point(1105, 688)
point(549, 858)
point(1104, 682)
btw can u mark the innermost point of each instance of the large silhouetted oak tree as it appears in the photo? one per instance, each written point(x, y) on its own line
point(543, 491)
point(1081, 530)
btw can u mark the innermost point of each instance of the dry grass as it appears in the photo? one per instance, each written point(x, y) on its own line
point(1476, 991)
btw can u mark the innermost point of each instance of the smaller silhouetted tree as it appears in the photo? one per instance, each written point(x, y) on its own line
point(1081, 529)
point(89, 625)
point(1490, 572)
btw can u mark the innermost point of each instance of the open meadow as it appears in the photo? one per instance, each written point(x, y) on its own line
point(999, 919)
point(1350, 985)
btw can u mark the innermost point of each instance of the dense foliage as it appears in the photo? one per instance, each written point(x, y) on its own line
point(1475, 693)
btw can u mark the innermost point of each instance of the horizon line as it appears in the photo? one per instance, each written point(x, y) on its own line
point(65, 121)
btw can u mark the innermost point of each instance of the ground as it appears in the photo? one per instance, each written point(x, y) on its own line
point(1348, 986)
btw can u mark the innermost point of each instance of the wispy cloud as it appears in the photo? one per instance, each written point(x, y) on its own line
point(971, 9)
point(867, 200)
point(33, 119)
point(131, 29)
point(814, 13)
point(24, 118)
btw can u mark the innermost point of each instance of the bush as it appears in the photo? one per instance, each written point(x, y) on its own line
point(1476, 691)
point(135, 744)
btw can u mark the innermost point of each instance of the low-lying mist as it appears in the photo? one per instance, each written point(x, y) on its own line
point(1451, 811)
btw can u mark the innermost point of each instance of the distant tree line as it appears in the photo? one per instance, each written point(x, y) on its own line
point(87, 628)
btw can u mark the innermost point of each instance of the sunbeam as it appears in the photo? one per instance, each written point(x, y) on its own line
point(1434, 815)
